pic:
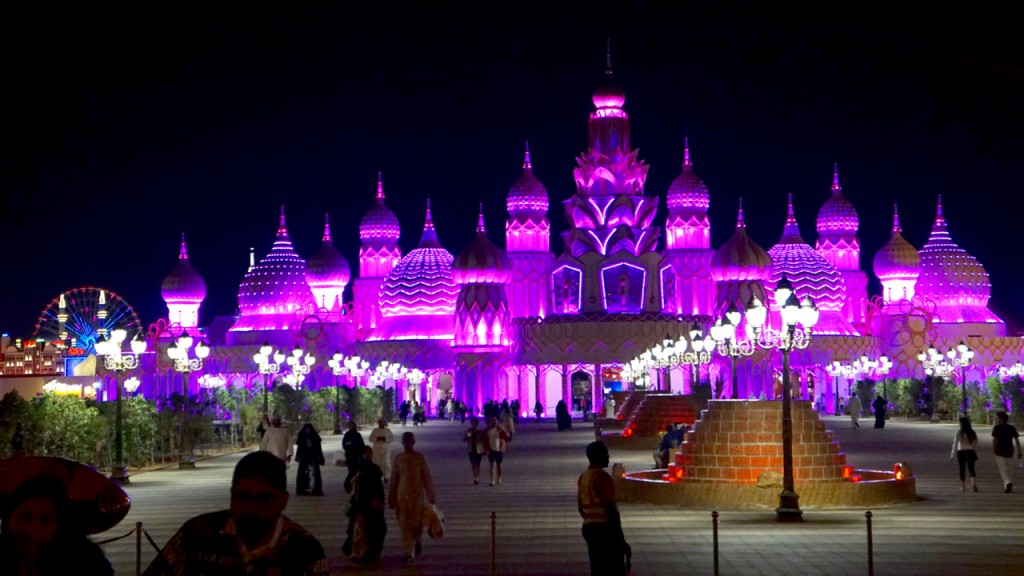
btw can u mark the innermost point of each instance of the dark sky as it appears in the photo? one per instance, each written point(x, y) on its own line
point(123, 127)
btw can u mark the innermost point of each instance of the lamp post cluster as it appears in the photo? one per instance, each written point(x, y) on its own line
point(341, 365)
point(1007, 372)
point(724, 333)
point(943, 365)
point(301, 363)
point(179, 353)
point(669, 353)
point(116, 360)
point(860, 367)
point(268, 361)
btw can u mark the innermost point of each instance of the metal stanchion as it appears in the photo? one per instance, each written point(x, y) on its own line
point(494, 544)
point(714, 537)
point(138, 548)
point(871, 552)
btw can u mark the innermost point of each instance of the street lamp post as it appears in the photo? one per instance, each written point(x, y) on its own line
point(724, 333)
point(338, 368)
point(300, 366)
point(794, 312)
point(185, 366)
point(693, 352)
point(266, 367)
point(935, 364)
point(1007, 372)
point(114, 359)
point(862, 366)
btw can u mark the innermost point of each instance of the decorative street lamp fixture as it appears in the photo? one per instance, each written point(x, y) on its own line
point(862, 366)
point(300, 366)
point(935, 364)
point(338, 368)
point(357, 368)
point(266, 367)
point(388, 371)
point(670, 353)
point(1007, 372)
point(131, 384)
point(117, 361)
point(794, 313)
point(185, 366)
point(724, 333)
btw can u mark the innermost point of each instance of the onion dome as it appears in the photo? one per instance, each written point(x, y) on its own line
point(949, 275)
point(482, 262)
point(277, 284)
point(327, 272)
point(811, 274)
point(837, 215)
point(741, 259)
point(183, 285)
point(528, 196)
point(421, 283)
point(897, 258)
point(380, 224)
point(688, 190)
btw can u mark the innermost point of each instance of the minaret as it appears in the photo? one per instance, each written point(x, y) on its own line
point(481, 311)
point(838, 243)
point(379, 231)
point(183, 290)
point(688, 232)
point(527, 241)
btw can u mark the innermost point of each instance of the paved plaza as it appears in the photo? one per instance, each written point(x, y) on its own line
point(538, 527)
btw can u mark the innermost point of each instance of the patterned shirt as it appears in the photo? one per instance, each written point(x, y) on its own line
point(208, 545)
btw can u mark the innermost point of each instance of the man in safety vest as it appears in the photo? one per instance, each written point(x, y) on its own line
point(602, 527)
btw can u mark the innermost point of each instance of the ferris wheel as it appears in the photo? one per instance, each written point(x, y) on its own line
point(82, 316)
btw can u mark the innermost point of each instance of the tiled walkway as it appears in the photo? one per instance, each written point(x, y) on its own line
point(538, 528)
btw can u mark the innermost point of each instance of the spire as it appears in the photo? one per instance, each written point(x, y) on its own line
point(281, 223)
point(940, 221)
point(739, 217)
point(686, 152)
point(327, 227)
point(836, 188)
point(608, 59)
point(480, 219)
point(429, 238)
point(526, 158)
point(380, 188)
point(791, 232)
point(896, 219)
point(183, 255)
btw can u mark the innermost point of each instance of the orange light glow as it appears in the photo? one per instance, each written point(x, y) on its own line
point(847, 471)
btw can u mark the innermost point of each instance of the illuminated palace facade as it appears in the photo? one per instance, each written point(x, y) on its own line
point(523, 322)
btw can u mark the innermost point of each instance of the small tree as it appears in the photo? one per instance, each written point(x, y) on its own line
point(14, 412)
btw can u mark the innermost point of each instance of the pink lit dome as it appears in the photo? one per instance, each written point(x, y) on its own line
point(811, 274)
point(421, 283)
point(327, 272)
point(380, 224)
point(897, 258)
point(183, 285)
point(688, 190)
point(741, 259)
point(528, 196)
point(609, 96)
point(837, 215)
point(277, 285)
point(482, 262)
point(949, 275)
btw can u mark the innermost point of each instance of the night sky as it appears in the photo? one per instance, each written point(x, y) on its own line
point(123, 127)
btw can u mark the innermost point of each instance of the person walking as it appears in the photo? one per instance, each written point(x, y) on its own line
point(475, 447)
point(410, 482)
point(403, 412)
point(496, 437)
point(879, 406)
point(538, 409)
point(277, 440)
point(310, 456)
point(1004, 438)
point(368, 526)
point(602, 526)
point(508, 422)
point(855, 409)
point(562, 416)
point(965, 444)
point(380, 440)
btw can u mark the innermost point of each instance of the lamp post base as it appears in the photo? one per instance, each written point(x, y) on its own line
point(119, 474)
point(789, 507)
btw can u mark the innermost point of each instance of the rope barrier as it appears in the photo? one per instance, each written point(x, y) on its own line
point(115, 539)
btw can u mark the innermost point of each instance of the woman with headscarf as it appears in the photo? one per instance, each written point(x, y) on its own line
point(310, 456)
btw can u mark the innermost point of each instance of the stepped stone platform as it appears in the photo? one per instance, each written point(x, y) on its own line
point(626, 404)
point(733, 459)
point(653, 413)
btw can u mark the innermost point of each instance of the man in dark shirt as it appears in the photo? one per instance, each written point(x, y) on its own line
point(602, 527)
point(1004, 439)
point(251, 537)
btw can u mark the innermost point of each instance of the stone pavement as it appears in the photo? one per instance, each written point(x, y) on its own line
point(538, 527)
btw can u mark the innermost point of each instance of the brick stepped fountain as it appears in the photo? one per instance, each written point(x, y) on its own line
point(627, 403)
point(651, 416)
point(733, 459)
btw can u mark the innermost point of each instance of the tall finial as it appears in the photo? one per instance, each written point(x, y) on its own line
point(836, 188)
point(480, 220)
point(792, 230)
point(938, 214)
point(380, 187)
point(429, 238)
point(896, 219)
point(526, 158)
point(252, 257)
point(281, 223)
point(183, 255)
point(608, 59)
point(686, 152)
point(940, 220)
point(327, 227)
point(739, 217)
point(429, 222)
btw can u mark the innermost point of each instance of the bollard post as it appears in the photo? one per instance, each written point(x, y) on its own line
point(714, 537)
point(871, 552)
point(138, 548)
point(494, 544)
